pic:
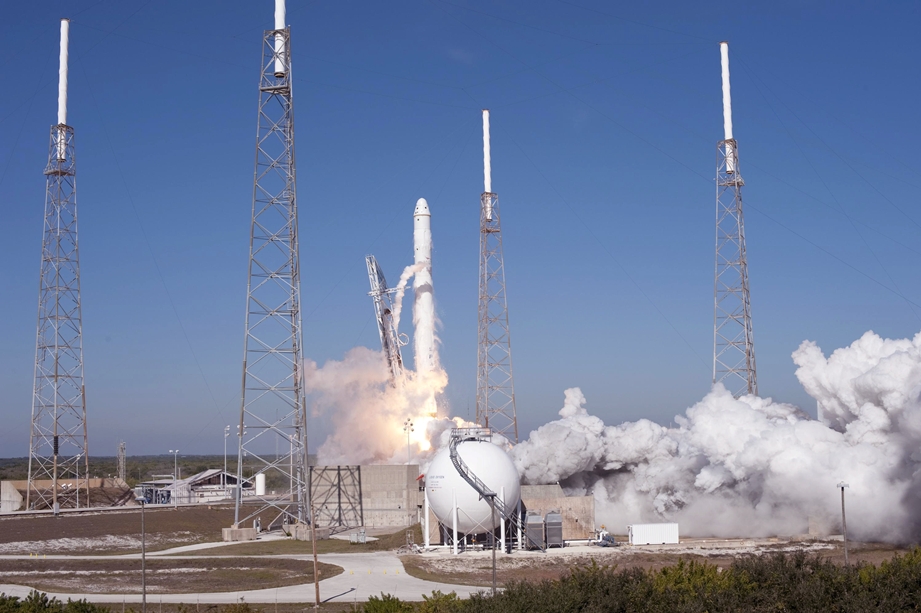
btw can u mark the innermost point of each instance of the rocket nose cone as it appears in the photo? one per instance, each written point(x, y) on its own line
point(422, 207)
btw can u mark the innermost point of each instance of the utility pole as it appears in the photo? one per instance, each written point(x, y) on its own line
point(58, 435)
point(495, 390)
point(316, 564)
point(408, 429)
point(143, 503)
point(224, 476)
point(272, 405)
point(843, 485)
point(733, 341)
point(175, 494)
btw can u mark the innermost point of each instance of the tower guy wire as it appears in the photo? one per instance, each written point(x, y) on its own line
point(58, 436)
point(272, 431)
point(495, 395)
point(733, 341)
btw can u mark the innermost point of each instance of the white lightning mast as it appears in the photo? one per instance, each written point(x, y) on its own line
point(733, 342)
point(58, 437)
point(272, 430)
point(495, 397)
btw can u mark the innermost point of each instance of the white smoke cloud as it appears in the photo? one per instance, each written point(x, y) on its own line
point(406, 275)
point(753, 467)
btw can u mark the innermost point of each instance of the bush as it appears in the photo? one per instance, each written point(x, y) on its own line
point(386, 604)
point(38, 602)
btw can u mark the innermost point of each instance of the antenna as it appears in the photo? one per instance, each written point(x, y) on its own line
point(495, 397)
point(273, 414)
point(58, 437)
point(733, 341)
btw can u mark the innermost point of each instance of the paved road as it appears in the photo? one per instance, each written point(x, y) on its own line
point(365, 575)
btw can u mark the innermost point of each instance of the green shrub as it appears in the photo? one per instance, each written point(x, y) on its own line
point(386, 604)
point(439, 603)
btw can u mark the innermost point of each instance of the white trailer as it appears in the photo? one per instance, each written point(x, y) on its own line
point(652, 534)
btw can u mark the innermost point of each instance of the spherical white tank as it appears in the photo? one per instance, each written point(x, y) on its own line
point(491, 465)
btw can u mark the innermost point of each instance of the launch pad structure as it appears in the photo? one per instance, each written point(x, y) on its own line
point(383, 313)
point(495, 393)
point(272, 431)
point(58, 435)
point(733, 341)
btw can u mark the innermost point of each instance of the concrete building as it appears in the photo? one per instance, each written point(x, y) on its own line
point(10, 498)
point(578, 511)
point(208, 486)
point(372, 496)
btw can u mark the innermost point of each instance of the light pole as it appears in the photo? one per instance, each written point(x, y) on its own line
point(843, 485)
point(78, 482)
point(408, 428)
point(175, 493)
point(142, 501)
point(224, 476)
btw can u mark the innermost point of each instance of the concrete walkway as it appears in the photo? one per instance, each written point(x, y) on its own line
point(365, 575)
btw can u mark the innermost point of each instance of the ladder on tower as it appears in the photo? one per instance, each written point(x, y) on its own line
point(459, 435)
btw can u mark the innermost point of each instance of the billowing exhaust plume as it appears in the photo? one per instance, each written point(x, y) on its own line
point(753, 467)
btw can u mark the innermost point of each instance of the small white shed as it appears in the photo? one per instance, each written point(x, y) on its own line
point(652, 534)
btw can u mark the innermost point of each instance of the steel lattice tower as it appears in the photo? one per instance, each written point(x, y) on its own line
point(495, 396)
point(383, 313)
point(733, 342)
point(273, 419)
point(58, 441)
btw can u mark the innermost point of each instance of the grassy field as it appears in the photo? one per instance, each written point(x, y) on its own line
point(164, 575)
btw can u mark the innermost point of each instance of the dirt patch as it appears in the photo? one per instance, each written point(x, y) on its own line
point(112, 532)
point(384, 542)
point(164, 575)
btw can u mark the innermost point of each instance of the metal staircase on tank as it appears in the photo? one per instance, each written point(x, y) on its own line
point(458, 435)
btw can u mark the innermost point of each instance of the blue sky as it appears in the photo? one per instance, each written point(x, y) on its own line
point(605, 120)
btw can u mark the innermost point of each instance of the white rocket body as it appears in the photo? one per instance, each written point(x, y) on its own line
point(424, 303)
point(727, 107)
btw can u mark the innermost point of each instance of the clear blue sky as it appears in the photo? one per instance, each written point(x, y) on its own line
point(605, 120)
